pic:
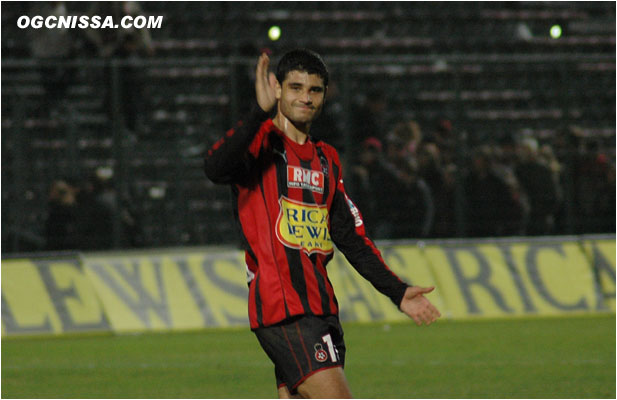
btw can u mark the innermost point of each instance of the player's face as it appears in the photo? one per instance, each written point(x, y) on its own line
point(301, 96)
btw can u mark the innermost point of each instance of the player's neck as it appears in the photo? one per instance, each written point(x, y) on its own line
point(296, 133)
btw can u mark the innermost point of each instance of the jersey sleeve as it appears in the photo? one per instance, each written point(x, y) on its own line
point(231, 156)
point(348, 233)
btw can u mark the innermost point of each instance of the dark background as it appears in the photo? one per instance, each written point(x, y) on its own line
point(512, 132)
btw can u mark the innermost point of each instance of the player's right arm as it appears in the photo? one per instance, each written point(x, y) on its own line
point(229, 158)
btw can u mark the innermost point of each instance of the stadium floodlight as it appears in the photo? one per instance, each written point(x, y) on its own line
point(274, 33)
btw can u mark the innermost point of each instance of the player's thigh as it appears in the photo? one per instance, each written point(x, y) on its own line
point(284, 393)
point(326, 384)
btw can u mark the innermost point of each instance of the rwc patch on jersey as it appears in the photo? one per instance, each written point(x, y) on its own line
point(303, 178)
point(304, 226)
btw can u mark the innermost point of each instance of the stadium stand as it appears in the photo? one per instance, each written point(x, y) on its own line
point(490, 69)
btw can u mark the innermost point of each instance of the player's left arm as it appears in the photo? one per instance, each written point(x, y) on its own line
point(348, 233)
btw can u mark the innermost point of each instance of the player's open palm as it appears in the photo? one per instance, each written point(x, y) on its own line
point(418, 307)
point(265, 84)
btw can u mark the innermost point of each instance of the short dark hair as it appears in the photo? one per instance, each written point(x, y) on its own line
point(302, 60)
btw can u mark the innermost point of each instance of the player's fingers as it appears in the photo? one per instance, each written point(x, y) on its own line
point(258, 67)
point(433, 317)
point(427, 317)
point(433, 310)
point(417, 319)
point(265, 65)
point(417, 290)
point(261, 71)
point(429, 313)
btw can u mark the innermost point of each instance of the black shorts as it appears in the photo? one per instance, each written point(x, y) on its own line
point(302, 346)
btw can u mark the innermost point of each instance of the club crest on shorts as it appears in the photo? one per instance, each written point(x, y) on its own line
point(320, 353)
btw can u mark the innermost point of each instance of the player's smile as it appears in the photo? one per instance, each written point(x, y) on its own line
point(304, 107)
point(301, 96)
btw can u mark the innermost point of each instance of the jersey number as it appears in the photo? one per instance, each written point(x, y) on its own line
point(327, 339)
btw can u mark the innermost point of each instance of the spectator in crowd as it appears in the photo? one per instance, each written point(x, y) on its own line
point(537, 180)
point(584, 167)
point(371, 172)
point(62, 224)
point(505, 158)
point(492, 208)
point(443, 137)
point(596, 194)
point(440, 179)
point(81, 216)
point(405, 208)
point(99, 206)
point(96, 214)
point(404, 140)
point(414, 211)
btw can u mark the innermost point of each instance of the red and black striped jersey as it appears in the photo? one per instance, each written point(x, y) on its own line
point(290, 202)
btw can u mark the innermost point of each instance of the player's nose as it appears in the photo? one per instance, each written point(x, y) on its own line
point(306, 97)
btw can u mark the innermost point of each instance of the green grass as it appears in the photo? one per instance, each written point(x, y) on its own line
point(537, 358)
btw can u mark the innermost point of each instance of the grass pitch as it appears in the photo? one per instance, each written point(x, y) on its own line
point(522, 358)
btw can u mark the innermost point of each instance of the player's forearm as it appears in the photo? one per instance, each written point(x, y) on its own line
point(372, 268)
point(349, 236)
point(227, 158)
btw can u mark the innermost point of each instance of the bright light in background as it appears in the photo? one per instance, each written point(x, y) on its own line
point(274, 33)
point(555, 31)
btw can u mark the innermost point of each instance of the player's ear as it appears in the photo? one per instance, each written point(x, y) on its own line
point(278, 90)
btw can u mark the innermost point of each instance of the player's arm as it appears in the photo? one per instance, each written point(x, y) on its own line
point(348, 233)
point(230, 157)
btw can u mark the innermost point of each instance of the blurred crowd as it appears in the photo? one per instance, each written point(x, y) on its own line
point(411, 182)
point(82, 213)
point(88, 213)
point(409, 179)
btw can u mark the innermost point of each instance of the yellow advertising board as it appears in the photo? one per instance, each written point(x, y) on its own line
point(49, 296)
point(197, 288)
point(601, 256)
point(158, 292)
point(514, 279)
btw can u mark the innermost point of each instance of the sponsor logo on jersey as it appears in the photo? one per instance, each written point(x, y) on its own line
point(303, 178)
point(304, 226)
point(354, 211)
point(320, 353)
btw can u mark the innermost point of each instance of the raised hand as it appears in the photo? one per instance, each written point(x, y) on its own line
point(265, 84)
